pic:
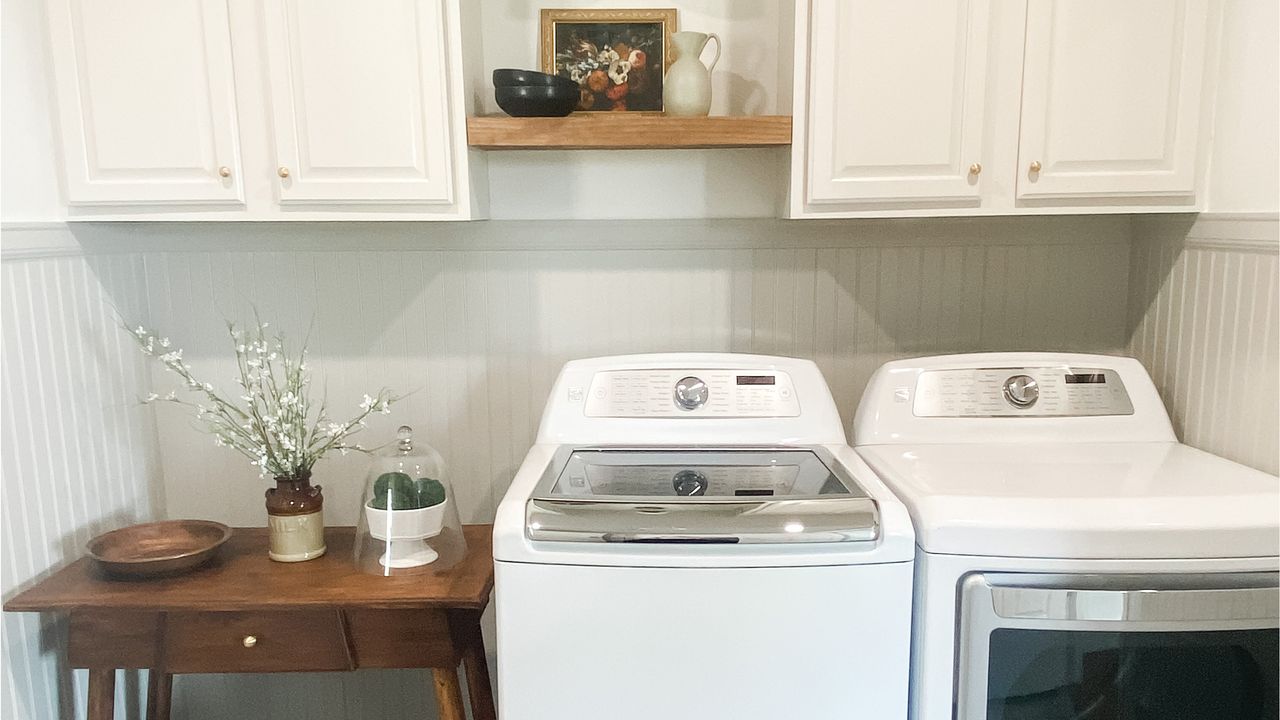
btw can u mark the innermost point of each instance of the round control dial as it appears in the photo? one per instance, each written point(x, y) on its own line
point(689, 483)
point(1021, 391)
point(691, 393)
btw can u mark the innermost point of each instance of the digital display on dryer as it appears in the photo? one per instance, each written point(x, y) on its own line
point(757, 379)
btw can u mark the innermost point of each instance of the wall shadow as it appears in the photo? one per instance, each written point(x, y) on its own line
point(1150, 236)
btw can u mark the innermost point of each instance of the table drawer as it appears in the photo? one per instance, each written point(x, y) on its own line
point(114, 638)
point(402, 638)
point(271, 641)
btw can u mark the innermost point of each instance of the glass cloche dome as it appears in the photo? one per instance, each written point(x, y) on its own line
point(408, 515)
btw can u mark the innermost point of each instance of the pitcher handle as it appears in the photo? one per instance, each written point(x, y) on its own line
point(716, 59)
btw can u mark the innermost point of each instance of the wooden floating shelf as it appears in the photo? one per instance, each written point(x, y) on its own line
point(627, 131)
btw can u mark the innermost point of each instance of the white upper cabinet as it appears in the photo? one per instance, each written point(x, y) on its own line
point(146, 102)
point(265, 109)
point(1111, 97)
point(896, 100)
point(976, 107)
point(357, 96)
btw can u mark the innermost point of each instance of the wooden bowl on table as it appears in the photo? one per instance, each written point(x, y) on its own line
point(154, 549)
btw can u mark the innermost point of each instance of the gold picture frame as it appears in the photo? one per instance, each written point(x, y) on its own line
point(615, 85)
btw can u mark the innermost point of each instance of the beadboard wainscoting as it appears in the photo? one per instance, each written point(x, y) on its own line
point(1203, 318)
point(79, 455)
point(476, 323)
point(475, 320)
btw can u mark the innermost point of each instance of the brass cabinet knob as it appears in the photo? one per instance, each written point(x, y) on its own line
point(283, 172)
point(975, 169)
point(1035, 166)
point(250, 641)
point(224, 171)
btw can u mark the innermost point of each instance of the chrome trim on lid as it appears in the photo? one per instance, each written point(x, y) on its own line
point(841, 519)
point(837, 510)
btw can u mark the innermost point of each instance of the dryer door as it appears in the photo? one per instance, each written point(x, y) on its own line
point(1103, 647)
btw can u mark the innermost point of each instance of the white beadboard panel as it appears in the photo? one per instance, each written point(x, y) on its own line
point(79, 454)
point(474, 320)
point(477, 336)
point(1203, 318)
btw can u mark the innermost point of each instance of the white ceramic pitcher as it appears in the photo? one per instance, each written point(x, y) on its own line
point(687, 87)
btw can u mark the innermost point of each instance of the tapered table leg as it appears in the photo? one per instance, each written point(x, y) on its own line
point(478, 686)
point(449, 694)
point(102, 694)
point(159, 694)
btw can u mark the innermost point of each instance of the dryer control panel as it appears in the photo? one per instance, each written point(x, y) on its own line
point(677, 393)
point(1011, 397)
point(1019, 392)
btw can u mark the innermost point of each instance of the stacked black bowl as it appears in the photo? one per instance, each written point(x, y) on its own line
point(525, 93)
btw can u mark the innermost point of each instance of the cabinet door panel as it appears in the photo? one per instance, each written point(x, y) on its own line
point(1111, 97)
point(896, 94)
point(146, 101)
point(358, 100)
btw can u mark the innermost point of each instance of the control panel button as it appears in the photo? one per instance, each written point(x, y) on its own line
point(1021, 391)
point(691, 393)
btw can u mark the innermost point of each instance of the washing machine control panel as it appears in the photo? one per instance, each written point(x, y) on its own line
point(1020, 392)
point(690, 393)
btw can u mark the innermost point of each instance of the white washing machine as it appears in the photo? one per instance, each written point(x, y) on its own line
point(1074, 560)
point(692, 537)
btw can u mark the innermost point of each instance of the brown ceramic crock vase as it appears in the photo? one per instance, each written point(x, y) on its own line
point(295, 518)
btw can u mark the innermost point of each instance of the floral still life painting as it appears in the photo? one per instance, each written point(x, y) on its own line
point(617, 57)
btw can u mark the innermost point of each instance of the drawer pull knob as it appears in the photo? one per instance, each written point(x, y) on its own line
point(283, 172)
point(975, 169)
point(1035, 166)
point(250, 641)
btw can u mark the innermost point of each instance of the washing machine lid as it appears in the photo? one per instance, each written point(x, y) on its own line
point(699, 495)
point(1121, 500)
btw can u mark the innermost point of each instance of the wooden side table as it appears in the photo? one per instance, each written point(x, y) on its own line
point(244, 613)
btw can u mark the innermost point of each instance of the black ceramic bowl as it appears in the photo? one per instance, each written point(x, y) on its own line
point(536, 100)
point(508, 77)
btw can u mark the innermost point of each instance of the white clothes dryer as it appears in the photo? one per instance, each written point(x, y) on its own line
point(1074, 560)
point(692, 537)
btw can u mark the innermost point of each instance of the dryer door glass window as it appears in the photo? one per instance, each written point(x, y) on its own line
point(1119, 647)
point(1075, 675)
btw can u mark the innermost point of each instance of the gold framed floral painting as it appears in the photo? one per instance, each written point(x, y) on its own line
point(617, 57)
